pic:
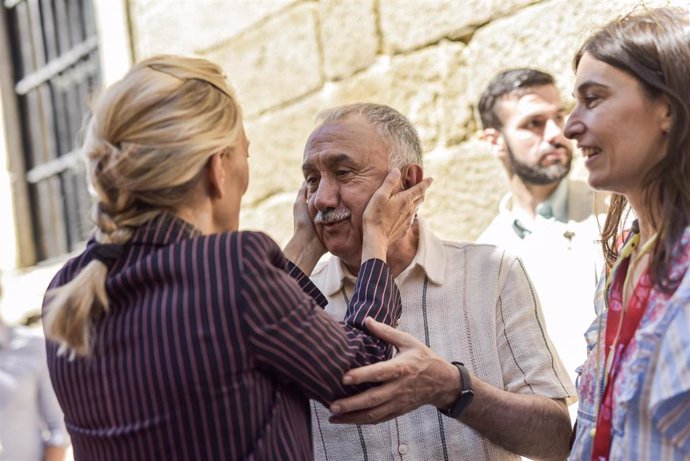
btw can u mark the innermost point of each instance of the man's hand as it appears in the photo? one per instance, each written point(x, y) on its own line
point(528, 425)
point(304, 248)
point(416, 376)
point(389, 214)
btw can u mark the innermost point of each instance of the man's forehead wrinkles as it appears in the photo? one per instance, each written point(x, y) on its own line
point(325, 158)
point(333, 131)
point(327, 144)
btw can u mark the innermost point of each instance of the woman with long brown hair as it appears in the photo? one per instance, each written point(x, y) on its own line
point(632, 123)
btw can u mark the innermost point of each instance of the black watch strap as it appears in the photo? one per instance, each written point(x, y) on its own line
point(465, 395)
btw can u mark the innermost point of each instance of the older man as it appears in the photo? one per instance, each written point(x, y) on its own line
point(504, 394)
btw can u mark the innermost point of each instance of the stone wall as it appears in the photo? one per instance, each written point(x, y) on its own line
point(430, 59)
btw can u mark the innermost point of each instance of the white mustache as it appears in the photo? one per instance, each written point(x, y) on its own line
point(332, 216)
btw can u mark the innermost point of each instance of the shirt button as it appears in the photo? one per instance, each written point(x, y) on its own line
point(402, 449)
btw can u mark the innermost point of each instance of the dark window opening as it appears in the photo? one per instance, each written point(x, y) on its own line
point(54, 53)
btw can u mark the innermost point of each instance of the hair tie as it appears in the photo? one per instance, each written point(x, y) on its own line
point(107, 253)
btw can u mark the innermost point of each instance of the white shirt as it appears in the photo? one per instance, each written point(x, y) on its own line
point(470, 303)
point(30, 416)
point(563, 257)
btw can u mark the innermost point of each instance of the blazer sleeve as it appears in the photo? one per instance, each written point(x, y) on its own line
point(292, 337)
point(305, 283)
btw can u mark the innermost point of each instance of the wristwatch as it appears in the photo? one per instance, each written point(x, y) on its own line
point(465, 395)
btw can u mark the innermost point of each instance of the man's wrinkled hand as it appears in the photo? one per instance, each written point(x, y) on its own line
point(416, 376)
point(391, 209)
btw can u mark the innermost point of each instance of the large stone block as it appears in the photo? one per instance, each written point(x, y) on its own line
point(468, 185)
point(458, 117)
point(412, 84)
point(348, 36)
point(408, 25)
point(276, 62)
point(187, 27)
point(277, 144)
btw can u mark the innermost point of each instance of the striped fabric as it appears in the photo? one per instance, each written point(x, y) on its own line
point(651, 400)
point(211, 350)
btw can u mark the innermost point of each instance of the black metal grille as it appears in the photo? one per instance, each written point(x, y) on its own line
point(54, 50)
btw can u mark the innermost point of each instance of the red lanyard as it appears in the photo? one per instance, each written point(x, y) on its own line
point(620, 328)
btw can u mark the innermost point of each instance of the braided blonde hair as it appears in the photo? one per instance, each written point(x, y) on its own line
point(149, 139)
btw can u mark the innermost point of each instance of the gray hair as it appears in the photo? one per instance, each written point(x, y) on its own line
point(393, 127)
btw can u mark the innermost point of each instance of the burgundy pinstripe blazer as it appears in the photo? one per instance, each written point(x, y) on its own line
point(211, 349)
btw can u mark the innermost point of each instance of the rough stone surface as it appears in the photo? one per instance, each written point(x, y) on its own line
point(468, 184)
point(183, 26)
point(396, 82)
point(273, 217)
point(349, 39)
point(407, 25)
point(276, 62)
point(277, 143)
point(458, 116)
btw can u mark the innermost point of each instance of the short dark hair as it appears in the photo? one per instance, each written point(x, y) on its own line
point(508, 82)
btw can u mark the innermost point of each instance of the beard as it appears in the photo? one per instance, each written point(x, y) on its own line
point(537, 174)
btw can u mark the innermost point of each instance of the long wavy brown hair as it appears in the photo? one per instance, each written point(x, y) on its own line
point(653, 46)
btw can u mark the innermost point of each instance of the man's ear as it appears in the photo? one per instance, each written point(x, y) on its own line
point(411, 175)
point(216, 176)
point(490, 135)
point(494, 138)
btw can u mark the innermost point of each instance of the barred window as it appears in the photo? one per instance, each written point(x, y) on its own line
point(55, 68)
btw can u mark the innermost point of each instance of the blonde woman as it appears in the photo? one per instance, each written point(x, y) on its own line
point(173, 335)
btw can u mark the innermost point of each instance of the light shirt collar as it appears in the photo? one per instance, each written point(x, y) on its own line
point(430, 258)
point(555, 207)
